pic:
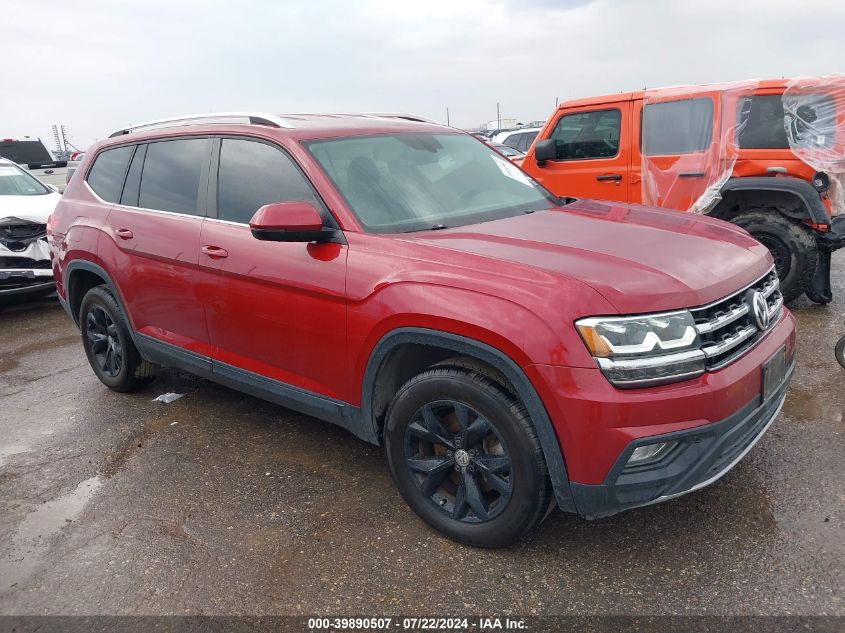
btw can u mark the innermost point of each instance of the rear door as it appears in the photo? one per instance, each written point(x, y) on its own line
point(592, 153)
point(277, 309)
point(151, 241)
point(676, 149)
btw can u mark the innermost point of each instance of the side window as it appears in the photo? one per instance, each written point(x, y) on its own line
point(513, 140)
point(677, 127)
point(764, 125)
point(526, 140)
point(587, 135)
point(129, 197)
point(252, 174)
point(107, 174)
point(171, 176)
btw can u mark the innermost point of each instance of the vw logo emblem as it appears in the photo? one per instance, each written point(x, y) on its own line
point(759, 309)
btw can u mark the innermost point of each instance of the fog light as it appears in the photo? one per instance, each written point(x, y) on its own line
point(650, 452)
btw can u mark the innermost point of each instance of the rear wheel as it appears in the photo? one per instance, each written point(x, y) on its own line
point(108, 343)
point(792, 245)
point(466, 458)
point(840, 351)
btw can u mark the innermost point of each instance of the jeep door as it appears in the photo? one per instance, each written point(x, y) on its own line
point(675, 155)
point(592, 152)
point(276, 309)
point(150, 243)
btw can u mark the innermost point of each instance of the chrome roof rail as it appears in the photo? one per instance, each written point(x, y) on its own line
point(402, 115)
point(253, 118)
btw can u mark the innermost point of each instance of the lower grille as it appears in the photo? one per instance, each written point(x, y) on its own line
point(731, 326)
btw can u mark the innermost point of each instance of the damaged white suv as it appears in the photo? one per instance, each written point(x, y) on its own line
point(25, 204)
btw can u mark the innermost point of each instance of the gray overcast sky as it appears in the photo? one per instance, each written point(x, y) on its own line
point(99, 64)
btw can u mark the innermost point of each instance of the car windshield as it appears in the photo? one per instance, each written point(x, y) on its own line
point(396, 183)
point(16, 182)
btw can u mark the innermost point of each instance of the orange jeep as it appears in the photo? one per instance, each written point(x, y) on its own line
point(768, 156)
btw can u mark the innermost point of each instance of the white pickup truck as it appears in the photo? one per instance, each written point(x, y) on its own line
point(31, 154)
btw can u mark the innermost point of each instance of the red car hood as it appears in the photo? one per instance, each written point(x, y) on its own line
point(639, 259)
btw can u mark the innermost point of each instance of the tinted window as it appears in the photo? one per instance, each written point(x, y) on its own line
point(526, 140)
point(171, 177)
point(106, 176)
point(129, 196)
point(253, 174)
point(513, 140)
point(764, 124)
point(677, 127)
point(25, 152)
point(587, 135)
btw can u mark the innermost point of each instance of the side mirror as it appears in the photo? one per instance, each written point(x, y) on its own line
point(544, 150)
point(290, 222)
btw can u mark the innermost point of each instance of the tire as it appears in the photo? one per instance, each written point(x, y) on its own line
point(792, 245)
point(465, 457)
point(840, 351)
point(108, 343)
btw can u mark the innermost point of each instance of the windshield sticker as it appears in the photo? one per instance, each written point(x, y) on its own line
point(511, 171)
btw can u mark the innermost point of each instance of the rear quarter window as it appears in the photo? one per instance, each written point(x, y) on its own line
point(109, 170)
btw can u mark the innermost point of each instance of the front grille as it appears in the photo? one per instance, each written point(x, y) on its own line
point(728, 328)
point(24, 262)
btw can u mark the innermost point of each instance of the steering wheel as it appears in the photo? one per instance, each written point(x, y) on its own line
point(466, 196)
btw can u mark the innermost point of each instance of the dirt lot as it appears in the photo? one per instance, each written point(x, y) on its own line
point(221, 503)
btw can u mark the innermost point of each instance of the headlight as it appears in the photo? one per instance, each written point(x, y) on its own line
point(644, 351)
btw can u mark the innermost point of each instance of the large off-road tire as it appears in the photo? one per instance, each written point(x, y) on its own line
point(792, 245)
point(839, 351)
point(108, 343)
point(465, 456)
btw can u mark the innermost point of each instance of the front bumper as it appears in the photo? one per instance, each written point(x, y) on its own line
point(21, 281)
point(702, 456)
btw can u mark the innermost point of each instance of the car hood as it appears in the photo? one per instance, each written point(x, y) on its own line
point(640, 259)
point(31, 208)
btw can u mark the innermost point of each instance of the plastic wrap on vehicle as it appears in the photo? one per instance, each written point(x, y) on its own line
point(814, 119)
point(690, 142)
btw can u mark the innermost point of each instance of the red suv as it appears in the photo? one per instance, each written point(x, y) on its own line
point(403, 280)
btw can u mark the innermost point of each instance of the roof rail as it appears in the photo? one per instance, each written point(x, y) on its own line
point(402, 115)
point(253, 118)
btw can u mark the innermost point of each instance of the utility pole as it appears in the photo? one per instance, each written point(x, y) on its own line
point(498, 117)
point(447, 117)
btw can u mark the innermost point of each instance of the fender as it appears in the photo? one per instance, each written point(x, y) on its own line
point(84, 264)
point(805, 192)
point(470, 347)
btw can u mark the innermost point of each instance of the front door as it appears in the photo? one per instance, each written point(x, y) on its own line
point(277, 309)
point(592, 153)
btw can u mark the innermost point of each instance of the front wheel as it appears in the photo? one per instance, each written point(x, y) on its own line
point(840, 351)
point(465, 456)
point(792, 245)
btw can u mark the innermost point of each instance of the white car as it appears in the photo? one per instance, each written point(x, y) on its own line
point(25, 205)
point(31, 154)
point(519, 139)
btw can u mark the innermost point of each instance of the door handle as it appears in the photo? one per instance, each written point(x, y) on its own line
point(124, 234)
point(215, 252)
point(692, 174)
point(611, 177)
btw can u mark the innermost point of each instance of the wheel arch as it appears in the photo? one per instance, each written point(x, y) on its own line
point(792, 197)
point(82, 275)
point(403, 352)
